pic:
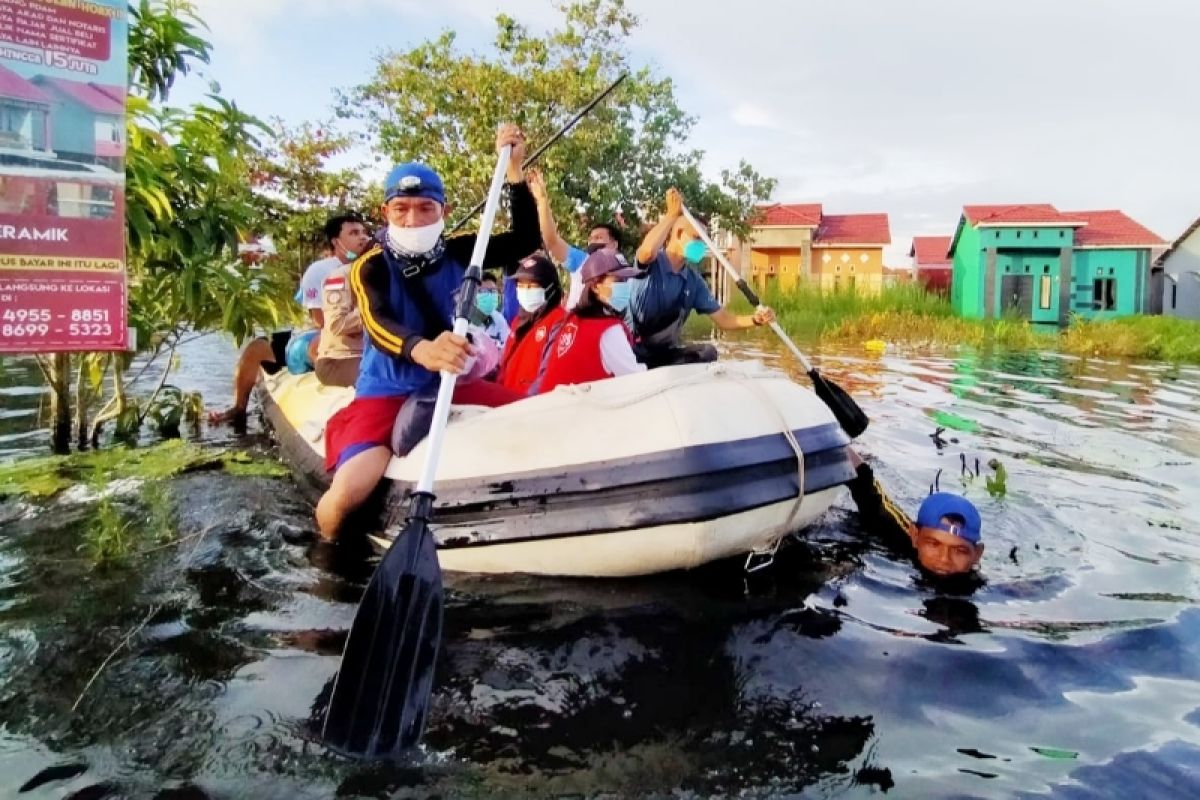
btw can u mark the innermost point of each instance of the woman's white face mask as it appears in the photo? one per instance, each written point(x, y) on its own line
point(416, 240)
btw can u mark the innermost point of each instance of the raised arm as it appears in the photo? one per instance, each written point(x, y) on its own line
point(555, 245)
point(657, 236)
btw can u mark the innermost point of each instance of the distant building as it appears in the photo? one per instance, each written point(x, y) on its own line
point(896, 276)
point(1044, 265)
point(789, 243)
point(931, 262)
point(1180, 266)
point(848, 252)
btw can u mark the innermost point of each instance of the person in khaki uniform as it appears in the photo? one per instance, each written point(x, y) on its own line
point(340, 350)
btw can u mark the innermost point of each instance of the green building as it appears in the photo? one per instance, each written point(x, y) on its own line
point(1043, 264)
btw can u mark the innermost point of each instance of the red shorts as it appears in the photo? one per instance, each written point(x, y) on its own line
point(367, 422)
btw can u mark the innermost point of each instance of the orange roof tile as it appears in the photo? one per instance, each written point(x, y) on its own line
point(929, 250)
point(1030, 214)
point(794, 214)
point(849, 229)
point(1113, 228)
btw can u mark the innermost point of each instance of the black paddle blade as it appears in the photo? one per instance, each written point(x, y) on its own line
point(848, 413)
point(381, 694)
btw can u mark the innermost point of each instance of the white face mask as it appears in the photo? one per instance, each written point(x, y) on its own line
point(531, 299)
point(416, 240)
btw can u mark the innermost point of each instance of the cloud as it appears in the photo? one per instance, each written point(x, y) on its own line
point(751, 116)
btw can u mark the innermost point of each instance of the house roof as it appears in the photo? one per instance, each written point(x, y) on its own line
point(1112, 228)
point(14, 86)
point(87, 95)
point(853, 229)
point(1029, 214)
point(785, 214)
point(930, 249)
point(1195, 226)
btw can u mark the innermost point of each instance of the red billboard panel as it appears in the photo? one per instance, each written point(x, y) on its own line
point(62, 179)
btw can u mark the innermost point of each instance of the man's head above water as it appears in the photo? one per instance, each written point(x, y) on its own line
point(947, 534)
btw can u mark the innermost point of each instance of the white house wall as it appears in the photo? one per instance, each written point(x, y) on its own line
point(1182, 268)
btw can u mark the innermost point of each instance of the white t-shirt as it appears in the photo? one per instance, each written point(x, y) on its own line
point(616, 354)
point(314, 278)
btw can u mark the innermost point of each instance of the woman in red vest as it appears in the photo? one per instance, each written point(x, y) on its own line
point(592, 343)
point(539, 292)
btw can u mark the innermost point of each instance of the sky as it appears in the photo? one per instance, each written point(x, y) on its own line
point(912, 108)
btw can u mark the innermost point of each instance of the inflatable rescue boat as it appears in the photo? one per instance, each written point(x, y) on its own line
point(662, 470)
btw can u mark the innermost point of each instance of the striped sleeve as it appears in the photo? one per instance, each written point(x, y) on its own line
point(879, 513)
point(370, 281)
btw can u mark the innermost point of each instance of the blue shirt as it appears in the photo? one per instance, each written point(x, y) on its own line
point(665, 297)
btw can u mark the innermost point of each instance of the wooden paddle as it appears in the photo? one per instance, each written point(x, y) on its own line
point(848, 413)
point(381, 694)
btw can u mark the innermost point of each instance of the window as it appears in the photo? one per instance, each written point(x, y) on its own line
point(1104, 294)
point(1035, 234)
point(1174, 294)
point(1027, 269)
point(1018, 234)
point(1062, 234)
point(1044, 293)
point(1045, 269)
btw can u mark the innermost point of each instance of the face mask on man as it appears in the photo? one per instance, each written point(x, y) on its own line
point(531, 298)
point(619, 299)
point(595, 247)
point(416, 240)
point(694, 251)
point(487, 301)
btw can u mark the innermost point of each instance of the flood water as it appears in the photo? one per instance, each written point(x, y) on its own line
point(1072, 672)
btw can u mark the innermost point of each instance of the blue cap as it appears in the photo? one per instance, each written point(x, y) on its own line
point(413, 179)
point(945, 504)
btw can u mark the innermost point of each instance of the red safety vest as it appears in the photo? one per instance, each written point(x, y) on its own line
point(523, 354)
point(573, 356)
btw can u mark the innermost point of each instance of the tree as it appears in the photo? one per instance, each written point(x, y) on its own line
point(440, 105)
point(299, 190)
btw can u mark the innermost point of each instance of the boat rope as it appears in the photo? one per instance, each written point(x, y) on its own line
point(758, 391)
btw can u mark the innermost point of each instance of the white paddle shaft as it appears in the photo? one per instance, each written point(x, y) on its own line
point(733, 273)
point(441, 409)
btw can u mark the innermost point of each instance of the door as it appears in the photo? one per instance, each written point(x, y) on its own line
point(1016, 295)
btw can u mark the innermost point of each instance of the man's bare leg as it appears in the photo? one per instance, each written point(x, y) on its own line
point(352, 485)
point(244, 378)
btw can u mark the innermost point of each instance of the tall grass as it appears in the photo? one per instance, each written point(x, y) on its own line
point(907, 315)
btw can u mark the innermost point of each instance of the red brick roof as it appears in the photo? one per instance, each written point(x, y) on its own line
point(930, 250)
point(1113, 228)
point(794, 214)
point(14, 86)
point(87, 95)
point(848, 229)
point(1030, 214)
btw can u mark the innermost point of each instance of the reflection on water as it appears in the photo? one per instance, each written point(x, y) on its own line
point(1072, 671)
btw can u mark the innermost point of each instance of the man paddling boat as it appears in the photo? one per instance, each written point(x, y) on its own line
point(405, 289)
point(661, 303)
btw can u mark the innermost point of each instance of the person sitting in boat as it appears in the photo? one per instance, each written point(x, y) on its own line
point(405, 290)
point(345, 237)
point(945, 539)
point(605, 236)
point(340, 347)
point(659, 305)
point(539, 296)
point(592, 342)
point(486, 314)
